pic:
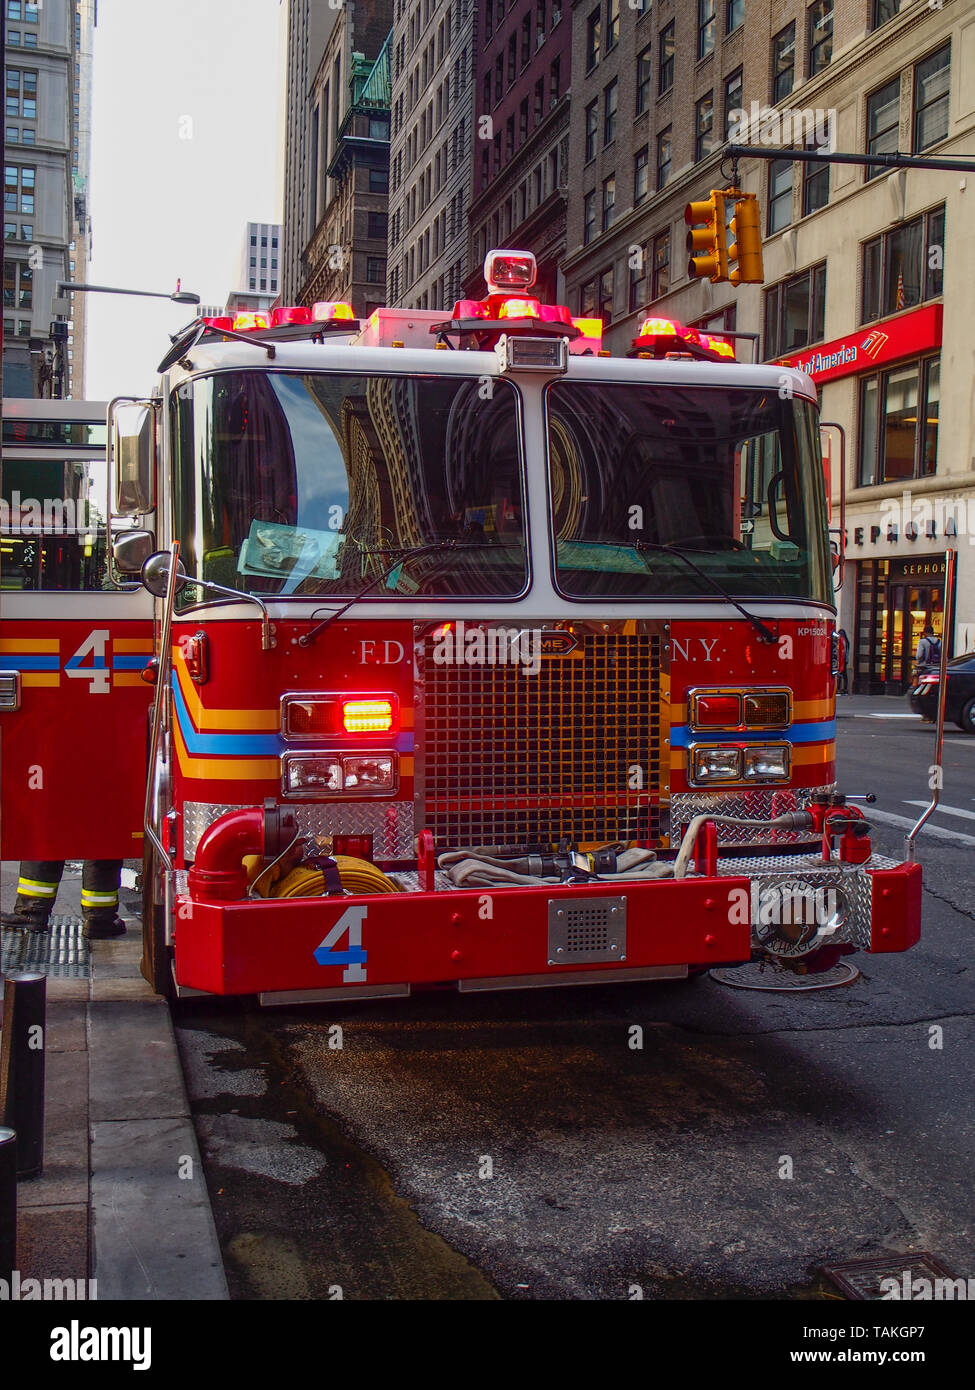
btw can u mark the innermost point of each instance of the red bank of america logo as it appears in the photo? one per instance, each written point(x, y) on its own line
point(873, 342)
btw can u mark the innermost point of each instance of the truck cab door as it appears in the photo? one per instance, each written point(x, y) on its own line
point(74, 642)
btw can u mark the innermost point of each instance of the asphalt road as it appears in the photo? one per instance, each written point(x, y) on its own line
point(518, 1146)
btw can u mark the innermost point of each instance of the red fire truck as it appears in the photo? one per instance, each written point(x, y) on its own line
point(482, 658)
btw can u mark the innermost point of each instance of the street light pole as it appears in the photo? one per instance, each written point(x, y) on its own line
point(61, 310)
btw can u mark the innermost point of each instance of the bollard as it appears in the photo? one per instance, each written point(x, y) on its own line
point(22, 1068)
point(8, 1204)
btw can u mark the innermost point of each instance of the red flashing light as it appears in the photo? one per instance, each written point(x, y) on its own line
point(367, 716)
point(223, 322)
point(327, 310)
point(555, 313)
point(590, 328)
point(519, 309)
point(719, 345)
point(717, 711)
point(661, 328)
point(246, 321)
point(295, 313)
point(469, 309)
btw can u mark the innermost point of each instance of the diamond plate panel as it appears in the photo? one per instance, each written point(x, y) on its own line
point(390, 823)
point(760, 804)
point(61, 952)
point(854, 883)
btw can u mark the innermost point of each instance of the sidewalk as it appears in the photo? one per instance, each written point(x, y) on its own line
point(122, 1199)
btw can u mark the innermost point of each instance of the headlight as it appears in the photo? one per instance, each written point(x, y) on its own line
point(716, 765)
point(317, 776)
point(767, 762)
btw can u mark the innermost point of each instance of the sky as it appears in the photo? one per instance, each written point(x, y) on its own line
point(185, 126)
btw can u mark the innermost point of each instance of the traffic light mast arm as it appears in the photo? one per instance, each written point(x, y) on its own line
point(887, 161)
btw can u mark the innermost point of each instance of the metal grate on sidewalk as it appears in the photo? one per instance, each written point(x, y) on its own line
point(61, 952)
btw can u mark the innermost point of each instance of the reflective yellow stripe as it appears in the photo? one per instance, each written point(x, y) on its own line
point(94, 899)
point(32, 889)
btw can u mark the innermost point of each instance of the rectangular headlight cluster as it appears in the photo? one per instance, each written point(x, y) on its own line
point(320, 775)
point(741, 709)
point(9, 690)
point(717, 764)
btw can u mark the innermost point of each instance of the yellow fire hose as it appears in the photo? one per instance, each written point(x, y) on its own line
point(356, 875)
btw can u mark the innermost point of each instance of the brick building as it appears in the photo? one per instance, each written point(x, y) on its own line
point(520, 163)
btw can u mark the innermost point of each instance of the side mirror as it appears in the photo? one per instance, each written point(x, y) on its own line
point(155, 574)
point(133, 445)
point(131, 550)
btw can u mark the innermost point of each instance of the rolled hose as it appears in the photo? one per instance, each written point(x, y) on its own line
point(356, 875)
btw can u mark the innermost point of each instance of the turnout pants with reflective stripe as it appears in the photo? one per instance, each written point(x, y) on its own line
point(38, 884)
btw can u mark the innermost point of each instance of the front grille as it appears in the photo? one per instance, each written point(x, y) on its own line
point(572, 752)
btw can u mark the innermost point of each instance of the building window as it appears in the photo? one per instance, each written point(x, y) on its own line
point(592, 40)
point(498, 78)
point(666, 57)
point(644, 68)
point(612, 23)
point(899, 412)
point(554, 81)
point(734, 15)
point(815, 181)
point(705, 27)
point(733, 97)
point(587, 300)
point(883, 120)
point(886, 9)
point(30, 40)
point(903, 267)
point(609, 201)
point(13, 39)
point(783, 62)
point(819, 35)
point(704, 126)
point(795, 312)
point(377, 224)
point(539, 99)
point(523, 122)
point(638, 279)
point(27, 231)
point(592, 128)
point(13, 135)
point(588, 218)
point(610, 99)
point(10, 231)
point(488, 18)
point(526, 39)
point(663, 157)
point(378, 180)
point(641, 174)
point(539, 23)
point(605, 305)
point(931, 81)
point(375, 270)
point(779, 194)
point(21, 92)
point(512, 58)
point(509, 134)
point(18, 188)
point(661, 265)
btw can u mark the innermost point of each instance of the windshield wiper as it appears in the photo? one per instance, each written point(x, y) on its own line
point(764, 632)
point(404, 553)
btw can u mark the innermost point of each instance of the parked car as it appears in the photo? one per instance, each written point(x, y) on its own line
point(960, 704)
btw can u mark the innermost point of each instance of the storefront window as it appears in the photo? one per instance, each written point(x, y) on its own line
point(897, 439)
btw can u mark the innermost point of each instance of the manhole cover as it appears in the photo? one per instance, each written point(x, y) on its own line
point(917, 1275)
point(60, 952)
point(764, 975)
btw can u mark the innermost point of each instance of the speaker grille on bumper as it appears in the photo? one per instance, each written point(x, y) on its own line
point(506, 757)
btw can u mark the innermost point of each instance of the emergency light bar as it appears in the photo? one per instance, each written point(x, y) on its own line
point(660, 337)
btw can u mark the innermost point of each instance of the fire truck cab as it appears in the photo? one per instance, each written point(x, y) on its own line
point(484, 659)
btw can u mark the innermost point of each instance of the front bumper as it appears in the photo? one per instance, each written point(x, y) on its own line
point(330, 947)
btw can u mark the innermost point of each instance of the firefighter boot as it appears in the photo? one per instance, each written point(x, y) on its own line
point(99, 899)
point(37, 888)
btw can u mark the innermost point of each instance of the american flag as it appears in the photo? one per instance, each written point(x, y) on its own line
point(901, 296)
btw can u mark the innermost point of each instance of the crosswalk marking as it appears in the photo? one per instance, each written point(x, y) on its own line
point(948, 810)
point(937, 831)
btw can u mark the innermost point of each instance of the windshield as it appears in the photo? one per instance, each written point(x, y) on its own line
point(310, 484)
point(731, 479)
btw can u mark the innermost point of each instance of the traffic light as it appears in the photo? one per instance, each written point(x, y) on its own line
point(746, 246)
point(709, 240)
